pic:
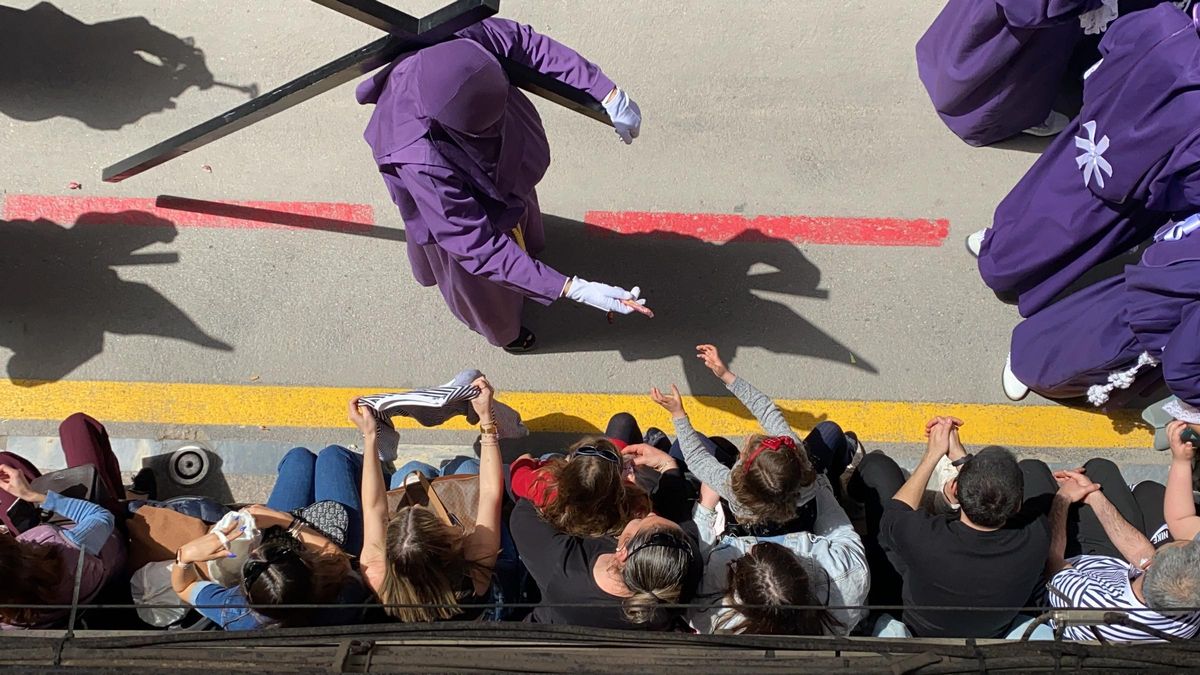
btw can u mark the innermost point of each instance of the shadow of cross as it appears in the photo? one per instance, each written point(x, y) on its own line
point(406, 34)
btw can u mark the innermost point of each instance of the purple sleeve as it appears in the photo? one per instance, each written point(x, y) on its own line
point(528, 47)
point(1042, 13)
point(1181, 358)
point(460, 226)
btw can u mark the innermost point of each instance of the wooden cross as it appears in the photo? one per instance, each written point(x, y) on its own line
point(406, 33)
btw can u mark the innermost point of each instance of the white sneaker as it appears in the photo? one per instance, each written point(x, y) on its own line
point(1055, 123)
point(1014, 389)
point(975, 241)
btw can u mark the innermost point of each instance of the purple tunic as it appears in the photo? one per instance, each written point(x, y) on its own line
point(461, 159)
point(994, 67)
point(1153, 307)
point(1114, 176)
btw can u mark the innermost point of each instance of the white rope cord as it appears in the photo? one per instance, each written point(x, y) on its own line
point(1122, 379)
point(1096, 21)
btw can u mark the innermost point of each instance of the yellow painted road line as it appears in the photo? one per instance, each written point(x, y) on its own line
point(271, 406)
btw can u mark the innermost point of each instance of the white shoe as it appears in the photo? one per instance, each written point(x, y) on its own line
point(975, 241)
point(1014, 389)
point(1055, 123)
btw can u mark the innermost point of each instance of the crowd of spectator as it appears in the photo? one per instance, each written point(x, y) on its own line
point(789, 534)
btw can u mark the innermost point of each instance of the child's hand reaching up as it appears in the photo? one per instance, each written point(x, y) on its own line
point(711, 358)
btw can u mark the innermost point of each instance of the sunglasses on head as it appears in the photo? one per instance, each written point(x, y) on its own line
point(602, 453)
point(257, 564)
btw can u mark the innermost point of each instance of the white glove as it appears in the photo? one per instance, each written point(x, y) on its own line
point(602, 296)
point(625, 115)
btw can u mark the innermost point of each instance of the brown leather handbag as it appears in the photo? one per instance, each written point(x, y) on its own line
point(155, 534)
point(454, 499)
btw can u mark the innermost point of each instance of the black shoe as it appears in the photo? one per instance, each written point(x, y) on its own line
point(145, 483)
point(525, 342)
point(655, 436)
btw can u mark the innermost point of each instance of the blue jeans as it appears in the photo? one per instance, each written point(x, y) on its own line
point(334, 474)
point(459, 466)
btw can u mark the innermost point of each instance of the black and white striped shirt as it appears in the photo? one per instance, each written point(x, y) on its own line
point(1097, 581)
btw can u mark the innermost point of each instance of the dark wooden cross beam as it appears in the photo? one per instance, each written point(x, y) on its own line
point(406, 33)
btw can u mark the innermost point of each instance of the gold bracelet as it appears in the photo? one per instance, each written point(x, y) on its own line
point(492, 438)
point(489, 428)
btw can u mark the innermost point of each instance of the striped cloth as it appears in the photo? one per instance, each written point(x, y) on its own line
point(429, 407)
point(1101, 582)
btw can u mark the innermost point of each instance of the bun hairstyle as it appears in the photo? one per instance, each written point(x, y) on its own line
point(31, 573)
point(762, 585)
point(769, 477)
point(282, 572)
point(662, 567)
point(426, 566)
point(587, 495)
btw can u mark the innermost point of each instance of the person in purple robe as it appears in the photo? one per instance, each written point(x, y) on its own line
point(993, 68)
point(1139, 325)
point(1124, 166)
point(461, 151)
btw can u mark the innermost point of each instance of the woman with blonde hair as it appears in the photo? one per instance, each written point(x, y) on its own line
point(421, 568)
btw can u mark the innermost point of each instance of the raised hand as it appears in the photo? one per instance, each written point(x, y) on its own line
point(483, 402)
point(363, 418)
point(712, 358)
point(1181, 450)
point(673, 402)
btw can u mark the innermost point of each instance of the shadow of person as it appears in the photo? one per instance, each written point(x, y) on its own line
point(105, 75)
point(700, 292)
point(59, 293)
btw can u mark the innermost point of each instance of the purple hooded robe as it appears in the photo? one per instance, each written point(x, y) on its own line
point(1124, 166)
point(994, 67)
point(1153, 308)
point(461, 151)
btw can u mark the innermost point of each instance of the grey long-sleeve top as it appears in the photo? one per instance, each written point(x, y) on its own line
point(714, 474)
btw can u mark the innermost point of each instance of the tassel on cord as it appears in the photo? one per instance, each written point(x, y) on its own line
point(1096, 21)
point(1122, 379)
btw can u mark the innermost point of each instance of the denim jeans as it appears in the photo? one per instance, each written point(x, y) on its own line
point(458, 466)
point(334, 474)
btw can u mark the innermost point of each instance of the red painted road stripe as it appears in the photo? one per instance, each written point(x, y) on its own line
point(186, 212)
point(720, 227)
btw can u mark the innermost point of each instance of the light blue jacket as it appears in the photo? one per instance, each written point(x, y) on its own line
point(832, 553)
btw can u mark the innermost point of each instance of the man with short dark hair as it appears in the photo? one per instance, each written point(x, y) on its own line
point(981, 557)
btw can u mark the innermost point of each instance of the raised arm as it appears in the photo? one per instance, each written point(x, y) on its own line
point(483, 546)
point(546, 55)
point(1179, 505)
point(699, 461)
point(758, 403)
point(373, 559)
point(939, 444)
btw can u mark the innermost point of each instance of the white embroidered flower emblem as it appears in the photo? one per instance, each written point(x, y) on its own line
point(1092, 160)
